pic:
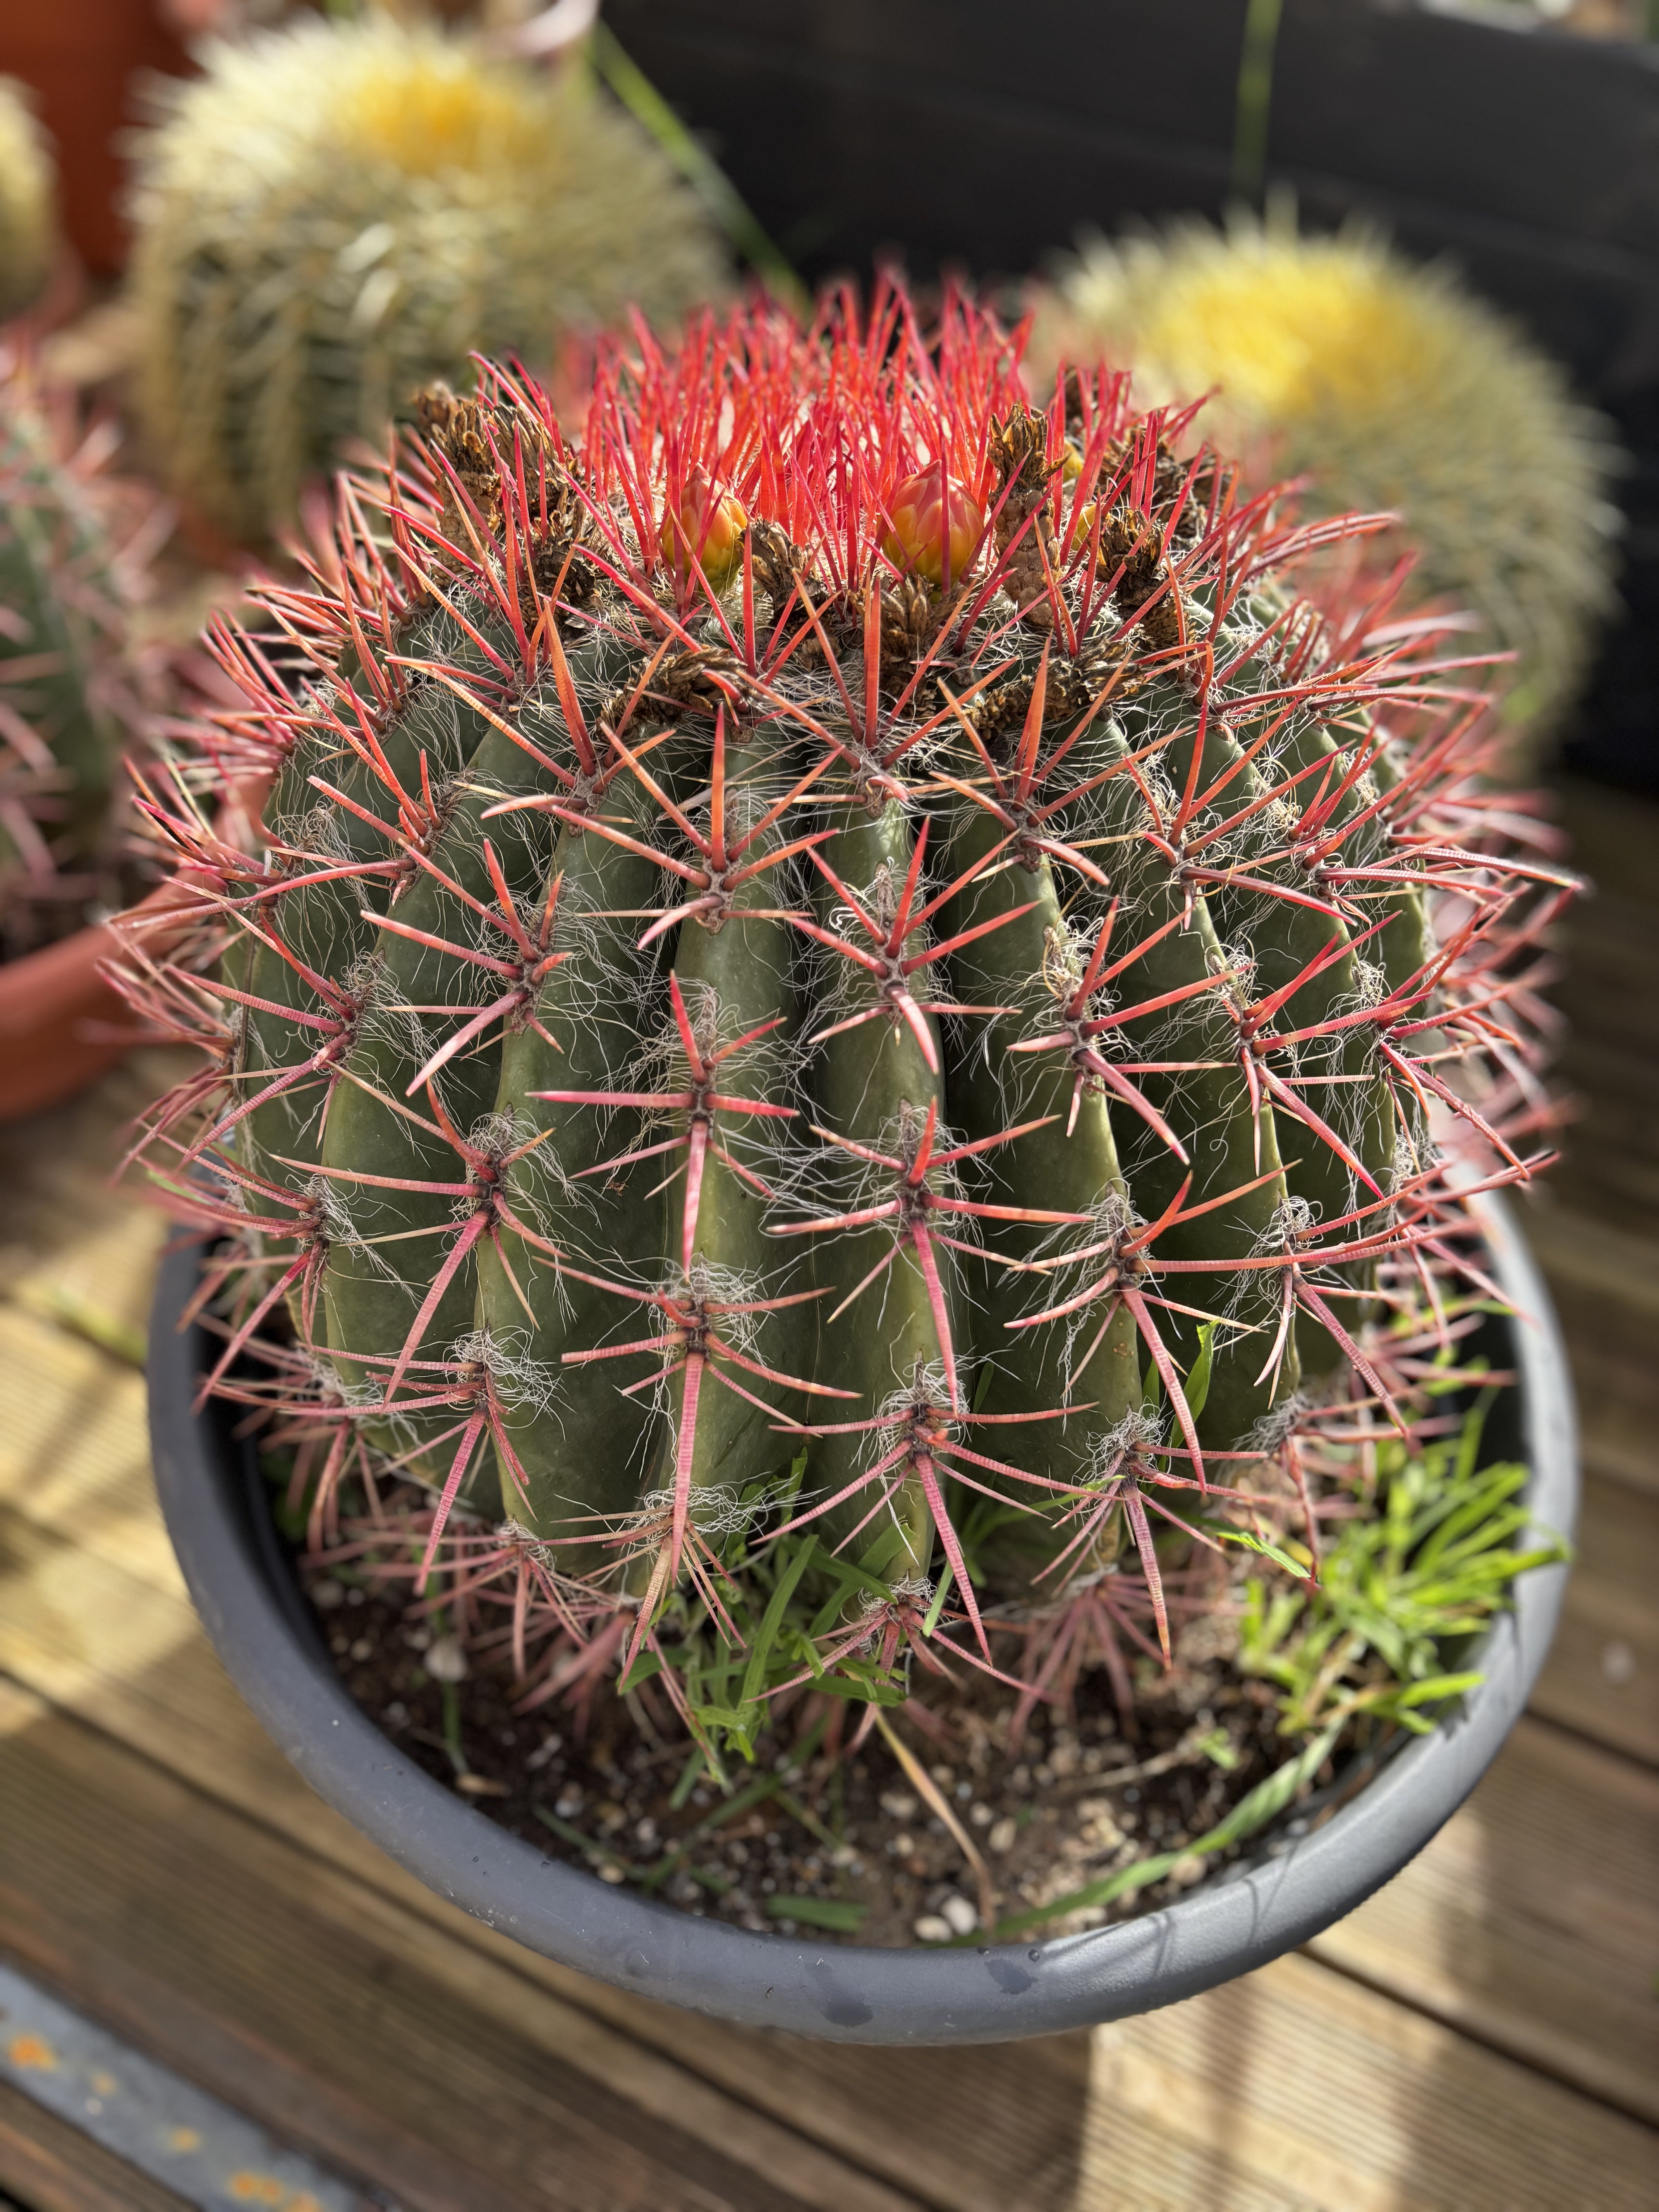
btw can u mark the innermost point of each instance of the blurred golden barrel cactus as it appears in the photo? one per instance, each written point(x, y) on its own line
point(28, 228)
point(338, 213)
point(1391, 388)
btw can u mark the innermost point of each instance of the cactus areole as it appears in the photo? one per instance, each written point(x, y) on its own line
point(851, 1013)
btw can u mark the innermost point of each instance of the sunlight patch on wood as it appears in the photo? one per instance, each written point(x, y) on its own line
point(73, 1453)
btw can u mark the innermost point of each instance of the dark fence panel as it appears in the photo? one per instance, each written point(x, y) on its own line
point(957, 130)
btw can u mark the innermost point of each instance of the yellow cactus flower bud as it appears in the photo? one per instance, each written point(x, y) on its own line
point(705, 532)
point(936, 525)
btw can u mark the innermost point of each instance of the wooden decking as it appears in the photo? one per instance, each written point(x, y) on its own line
point(1481, 2037)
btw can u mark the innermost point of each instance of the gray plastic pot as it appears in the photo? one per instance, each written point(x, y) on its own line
point(1246, 1915)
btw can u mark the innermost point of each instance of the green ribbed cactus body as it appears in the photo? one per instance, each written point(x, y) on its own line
point(602, 1023)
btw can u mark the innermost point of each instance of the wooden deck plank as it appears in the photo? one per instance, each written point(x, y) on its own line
point(1605, 1283)
point(54, 2167)
point(1507, 1925)
point(1609, 996)
point(1532, 1920)
point(395, 2048)
point(1602, 1675)
point(75, 1451)
point(60, 1223)
point(94, 1617)
point(1529, 1961)
point(391, 2048)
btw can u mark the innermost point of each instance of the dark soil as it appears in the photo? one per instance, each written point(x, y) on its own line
point(849, 1848)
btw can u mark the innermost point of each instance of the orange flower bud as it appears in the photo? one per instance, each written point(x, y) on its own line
point(708, 529)
point(936, 526)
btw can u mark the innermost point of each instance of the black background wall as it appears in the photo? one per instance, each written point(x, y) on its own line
point(984, 134)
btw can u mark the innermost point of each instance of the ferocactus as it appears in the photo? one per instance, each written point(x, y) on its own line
point(849, 1010)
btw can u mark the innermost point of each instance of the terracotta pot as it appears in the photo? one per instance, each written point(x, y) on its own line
point(81, 58)
point(61, 1024)
point(48, 1002)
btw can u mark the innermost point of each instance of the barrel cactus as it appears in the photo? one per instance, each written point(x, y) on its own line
point(337, 213)
point(1390, 386)
point(74, 690)
point(27, 219)
point(851, 1010)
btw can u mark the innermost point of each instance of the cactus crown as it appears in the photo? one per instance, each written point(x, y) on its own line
point(842, 1021)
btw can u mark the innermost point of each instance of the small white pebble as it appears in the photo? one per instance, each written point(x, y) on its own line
point(897, 1804)
point(981, 1815)
point(1618, 1664)
point(445, 1661)
point(960, 1914)
point(327, 1596)
point(1188, 1869)
point(646, 1830)
point(362, 1649)
point(568, 1804)
point(1001, 1838)
point(902, 1846)
point(611, 1872)
point(931, 1929)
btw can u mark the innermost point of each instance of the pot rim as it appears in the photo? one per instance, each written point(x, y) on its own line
point(1248, 1914)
